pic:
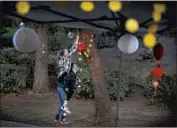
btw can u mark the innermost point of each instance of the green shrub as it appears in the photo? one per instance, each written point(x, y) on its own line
point(111, 77)
point(16, 69)
point(166, 91)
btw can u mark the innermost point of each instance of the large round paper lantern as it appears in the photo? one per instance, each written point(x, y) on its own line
point(158, 51)
point(157, 73)
point(149, 40)
point(115, 6)
point(25, 40)
point(87, 6)
point(128, 44)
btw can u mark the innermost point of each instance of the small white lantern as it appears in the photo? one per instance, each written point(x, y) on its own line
point(128, 44)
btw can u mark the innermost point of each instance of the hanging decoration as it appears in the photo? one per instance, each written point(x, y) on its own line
point(132, 25)
point(87, 6)
point(153, 28)
point(128, 44)
point(158, 51)
point(157, 73)
point(25, 40)
point(155, 83)
point(115, 6)
point(149, 40)
point(23, 7)
point(81, 47)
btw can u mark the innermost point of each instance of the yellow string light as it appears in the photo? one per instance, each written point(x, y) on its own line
point(153, 28)
point(132, 25)
point(87, 6)
point(90, 45)
point(149, 40)
point(159, 7)
point(156, 16)
point(23, 7)
point(115, 6)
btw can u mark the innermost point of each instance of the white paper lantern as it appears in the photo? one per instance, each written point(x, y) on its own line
point(128, 44)
point(70, 35)
point(25, 40)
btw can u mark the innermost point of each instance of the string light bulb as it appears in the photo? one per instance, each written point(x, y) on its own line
point(90, 45)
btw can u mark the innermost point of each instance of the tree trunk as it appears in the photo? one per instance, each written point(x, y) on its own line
point(102, 100)
point(41, 81)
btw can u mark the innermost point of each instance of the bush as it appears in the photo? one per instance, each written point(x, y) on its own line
point(16, 69)
point(111, 76)
point(166, 91)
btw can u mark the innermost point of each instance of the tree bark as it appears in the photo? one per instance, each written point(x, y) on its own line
point(102, 100)
point(41, 80)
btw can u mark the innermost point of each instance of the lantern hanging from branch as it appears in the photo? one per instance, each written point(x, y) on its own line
point(128, 44)
point(157, 73)
point(81, 47)
point(158, 51)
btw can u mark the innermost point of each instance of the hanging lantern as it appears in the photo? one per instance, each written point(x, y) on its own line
point(81, 47)
point(23, 7)
point(115, 6)
point(149, 40)
point(155, 83)
point(87, 6)
point(158, 51)
point(26, 40)
point(128, 44)
point(157, 73)
point(132, 25)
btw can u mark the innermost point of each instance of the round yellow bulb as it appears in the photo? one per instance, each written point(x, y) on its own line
point(132, 25)
point(87, 6)
point(153, 28)
point(149, 40)
point(159, 7)
point(115, 6)
point(156, 16)
point(23, 7)
point(90, 45)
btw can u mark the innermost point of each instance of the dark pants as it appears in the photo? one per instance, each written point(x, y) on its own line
point(69, 94)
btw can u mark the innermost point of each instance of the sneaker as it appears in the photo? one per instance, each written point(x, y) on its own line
point(66, 110)
point(64, 122)
point(57, 118)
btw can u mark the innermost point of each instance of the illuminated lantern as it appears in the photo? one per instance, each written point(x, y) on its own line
point(25, 40)
point(115, 6)
point(155, 83)
point(149, 40)
point(132, 25)
point(153, 28)
point(23, 7)
point(158, 51)
point(159, 7)
point(128, 44)
point(157, 73)
point(87, 6)
point(156, 16)
point(81, 47)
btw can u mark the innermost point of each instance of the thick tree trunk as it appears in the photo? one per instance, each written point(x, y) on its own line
point(41, 81)
point(102, 101)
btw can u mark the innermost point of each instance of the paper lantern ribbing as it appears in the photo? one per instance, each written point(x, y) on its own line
point(25, 40)
point(158, 51)
point(128, 44)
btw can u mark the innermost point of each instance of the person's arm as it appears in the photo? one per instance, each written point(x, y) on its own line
point(74, 46)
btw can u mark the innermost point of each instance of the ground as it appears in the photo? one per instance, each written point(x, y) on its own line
point(40, 110)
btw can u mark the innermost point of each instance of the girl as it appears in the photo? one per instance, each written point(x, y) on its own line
point(70, 82)
point(62, 96)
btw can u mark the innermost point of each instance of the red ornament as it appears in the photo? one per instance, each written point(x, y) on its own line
point(81, 47)
point(157, 73)
point(158, 51)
